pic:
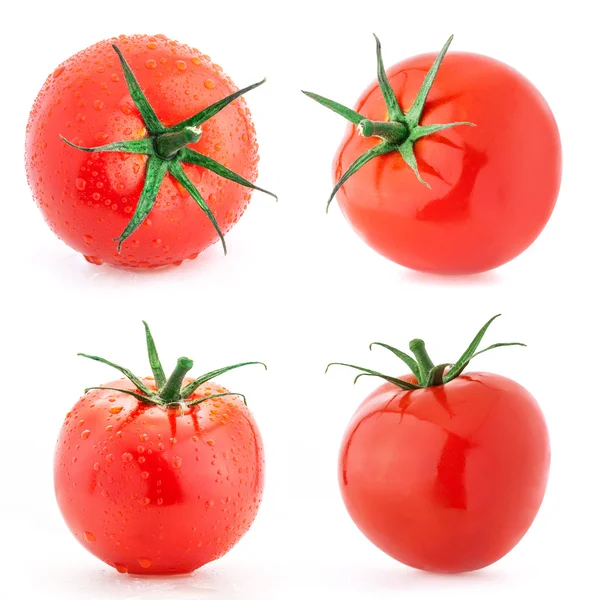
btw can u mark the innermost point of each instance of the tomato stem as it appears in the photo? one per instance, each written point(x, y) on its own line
point(171, 392)
point(168, 144)
point(417, 347)
point(393, 133)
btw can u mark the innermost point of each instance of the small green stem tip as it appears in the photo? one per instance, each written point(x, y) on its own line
point(171, 391)
point(167, 145)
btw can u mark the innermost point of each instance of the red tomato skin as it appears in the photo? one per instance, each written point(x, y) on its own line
point(150, 491)
point(493, 186)
point(449, 478)
point(88, 199)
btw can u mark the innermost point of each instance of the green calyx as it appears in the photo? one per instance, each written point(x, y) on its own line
point(422, 367)
point(171, 391)
point(167, 148)
point(401, 131)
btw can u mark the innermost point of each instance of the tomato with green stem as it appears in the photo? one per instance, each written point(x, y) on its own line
point(450, 165)
point(141, 152)
point(443, 469)
point(159, 475)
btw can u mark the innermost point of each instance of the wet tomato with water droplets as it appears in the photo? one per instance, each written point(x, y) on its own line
point(154, 489)
point(159, 475)
point(89, 197)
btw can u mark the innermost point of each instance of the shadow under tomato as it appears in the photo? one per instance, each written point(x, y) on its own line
point(484, 279)
point(70, 267)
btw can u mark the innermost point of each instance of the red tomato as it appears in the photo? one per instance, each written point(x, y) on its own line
point(493, 186)
point(159, 488)
point(446, 478)
point(88, 199)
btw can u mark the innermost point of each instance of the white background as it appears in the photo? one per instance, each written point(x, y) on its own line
point(298, 290)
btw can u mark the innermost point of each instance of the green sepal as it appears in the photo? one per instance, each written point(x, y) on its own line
point(152, 122)
point(394, 111)
point(413, 116)
point(141, 146)
point(408, 360)
point(190, 388)
point(361, 161)
point(336, 107)
point(466, 356)
point(157, 368)
point(210, 111)
point(424, 130)
point(177, 171)
point(155, 173)
point(200, 400)
point(407, 152)
point(140, 397)
point(139, 384)
point(191, 157)
point(405, 385)
point(436, 375)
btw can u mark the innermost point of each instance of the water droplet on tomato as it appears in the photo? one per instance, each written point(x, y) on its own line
point(151, 46)
point(145, 562)
point(144, 501)
point(209, 84)
point(176, 462)
point(210, 442)
point(98, 104)
point(144, 474)
point(127, 457)
point(90, 537)
point(80, 183)
point(88, 239)
point(109, 458)
point(57, 72)
point(120, 568)
point(150, 63)
point(95, 260)
point(85, 434)
point(181, 65)
point(143, 437)
point(209, 504)
point(115, 410)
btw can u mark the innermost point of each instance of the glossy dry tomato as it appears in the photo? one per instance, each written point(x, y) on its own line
point(445, 476)
point(140, 152)
point(159, 478)
point(429, 191)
